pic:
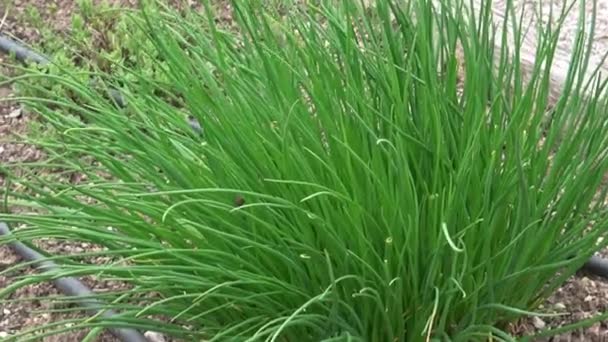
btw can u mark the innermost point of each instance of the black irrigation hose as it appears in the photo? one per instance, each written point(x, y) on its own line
point(72, 287)
point(23, 54)
point(597, 266)
point(26, 55)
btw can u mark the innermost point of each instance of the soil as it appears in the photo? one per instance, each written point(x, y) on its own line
point(581, 297)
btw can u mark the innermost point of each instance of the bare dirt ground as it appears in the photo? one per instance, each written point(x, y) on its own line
point(581, 297)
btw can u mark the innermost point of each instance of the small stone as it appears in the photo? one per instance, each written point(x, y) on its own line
point(16, 113)
point(594, 330)
point(538, 323)
point(6, 311)
point(195, 125)
point(588, 299)
point(3, 334)
point(153, 336)
point(559, 306)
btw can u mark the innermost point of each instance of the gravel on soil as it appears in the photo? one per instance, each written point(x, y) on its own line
point(582, 296)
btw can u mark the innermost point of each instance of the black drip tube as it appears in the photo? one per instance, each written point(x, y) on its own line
point(26, 55)
point(597, 266)
point(72, 287)
point(23, 54)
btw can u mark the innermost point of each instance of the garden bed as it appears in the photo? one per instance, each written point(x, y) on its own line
point(583, 296)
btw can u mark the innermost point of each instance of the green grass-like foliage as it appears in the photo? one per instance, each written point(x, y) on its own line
point(352, 182)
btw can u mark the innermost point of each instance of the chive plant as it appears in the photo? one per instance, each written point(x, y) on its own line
point(362, 172)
